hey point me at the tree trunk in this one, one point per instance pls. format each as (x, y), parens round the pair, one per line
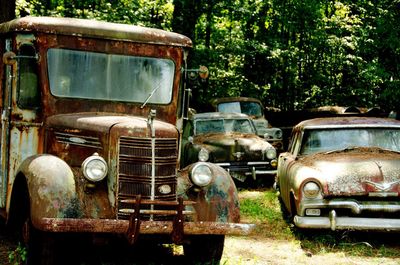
(7, 10)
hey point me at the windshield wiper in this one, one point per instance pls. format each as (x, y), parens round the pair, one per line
(151, 94)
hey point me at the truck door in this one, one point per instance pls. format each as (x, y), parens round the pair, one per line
(20, 111)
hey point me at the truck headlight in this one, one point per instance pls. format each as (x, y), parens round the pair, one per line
(201, 174)
(203, 155)
(311, 190)
(271, 153)
(94, 168)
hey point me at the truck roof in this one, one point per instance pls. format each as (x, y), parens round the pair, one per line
(95, 29)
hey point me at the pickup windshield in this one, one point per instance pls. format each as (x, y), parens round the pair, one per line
(92, 75)
(326, 140)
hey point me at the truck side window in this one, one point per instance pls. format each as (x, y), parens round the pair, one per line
(28, 94)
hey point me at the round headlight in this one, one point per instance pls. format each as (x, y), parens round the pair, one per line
(278, 134)
(201, 174)
(271, 153)
(203, 155)
(311, 190)
(94, 168)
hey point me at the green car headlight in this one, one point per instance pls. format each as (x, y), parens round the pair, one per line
(203, 155)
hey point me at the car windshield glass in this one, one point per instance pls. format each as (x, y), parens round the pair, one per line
(90, 75)
(223, 126)
(335, 139)
(249, 108)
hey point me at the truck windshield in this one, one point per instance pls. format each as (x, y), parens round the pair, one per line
(91, 75)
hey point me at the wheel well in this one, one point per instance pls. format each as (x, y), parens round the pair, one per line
(19, 204)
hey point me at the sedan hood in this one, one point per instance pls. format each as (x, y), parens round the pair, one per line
(233, 146)
(361, 171)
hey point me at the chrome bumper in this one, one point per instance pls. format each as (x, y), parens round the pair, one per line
(253, 169)
(351, 223)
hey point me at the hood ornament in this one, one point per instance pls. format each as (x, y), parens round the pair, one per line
(238, 155)
(382, 186)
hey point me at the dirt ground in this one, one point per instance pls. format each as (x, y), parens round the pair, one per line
(238, 251)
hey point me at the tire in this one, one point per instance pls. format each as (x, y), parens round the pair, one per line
(40, 245)
(204, 249)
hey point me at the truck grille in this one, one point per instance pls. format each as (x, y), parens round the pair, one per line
(134, 176)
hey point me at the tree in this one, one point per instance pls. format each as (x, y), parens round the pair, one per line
(7, 11)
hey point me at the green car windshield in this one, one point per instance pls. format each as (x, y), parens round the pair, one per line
(325, 140)
(246, 107)
(112, 77)
(223, 126)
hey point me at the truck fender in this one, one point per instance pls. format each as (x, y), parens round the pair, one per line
(51, 186)
(217, 202)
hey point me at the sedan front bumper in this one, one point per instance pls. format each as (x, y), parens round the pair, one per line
(347, 223)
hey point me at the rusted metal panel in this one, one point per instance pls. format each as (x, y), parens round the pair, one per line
(146, 227)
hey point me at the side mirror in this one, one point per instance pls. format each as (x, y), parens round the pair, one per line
(202, 72)
(9, 58)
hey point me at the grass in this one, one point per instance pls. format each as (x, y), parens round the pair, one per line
(262, 207)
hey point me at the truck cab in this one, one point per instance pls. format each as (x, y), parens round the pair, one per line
(92, 115)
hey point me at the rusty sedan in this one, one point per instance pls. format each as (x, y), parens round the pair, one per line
(342, 173)
(230, 141)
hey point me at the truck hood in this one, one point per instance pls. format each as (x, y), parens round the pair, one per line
(356, 172)
(233, 146)
(103, 122)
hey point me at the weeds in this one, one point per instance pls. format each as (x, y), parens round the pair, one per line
(18, 256)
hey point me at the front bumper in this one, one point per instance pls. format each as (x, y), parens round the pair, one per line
(241, 170)
(356, 220)
(347, 223)
(177, 226)
(146, 227)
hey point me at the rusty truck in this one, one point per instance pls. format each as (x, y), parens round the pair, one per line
(91, 125)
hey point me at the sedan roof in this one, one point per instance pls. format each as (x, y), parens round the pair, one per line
(349, 122)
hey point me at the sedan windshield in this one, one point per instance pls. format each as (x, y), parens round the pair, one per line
(91, 75)
(223, 126)
(326, 140)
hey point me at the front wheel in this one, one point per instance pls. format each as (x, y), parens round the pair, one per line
(40, 245)
(205, 249)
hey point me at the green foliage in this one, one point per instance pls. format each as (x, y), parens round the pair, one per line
(18, 256)
(290, 54)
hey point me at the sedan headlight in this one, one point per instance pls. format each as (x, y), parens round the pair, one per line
(94, 168)
(201, 174)
(311, 190)
(271, 153)
(203, 155)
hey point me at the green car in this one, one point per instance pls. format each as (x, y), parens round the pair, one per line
(230, 141)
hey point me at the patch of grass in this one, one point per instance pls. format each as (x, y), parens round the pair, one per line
(262, 207)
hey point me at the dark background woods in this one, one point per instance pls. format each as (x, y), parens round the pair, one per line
(290, 54)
